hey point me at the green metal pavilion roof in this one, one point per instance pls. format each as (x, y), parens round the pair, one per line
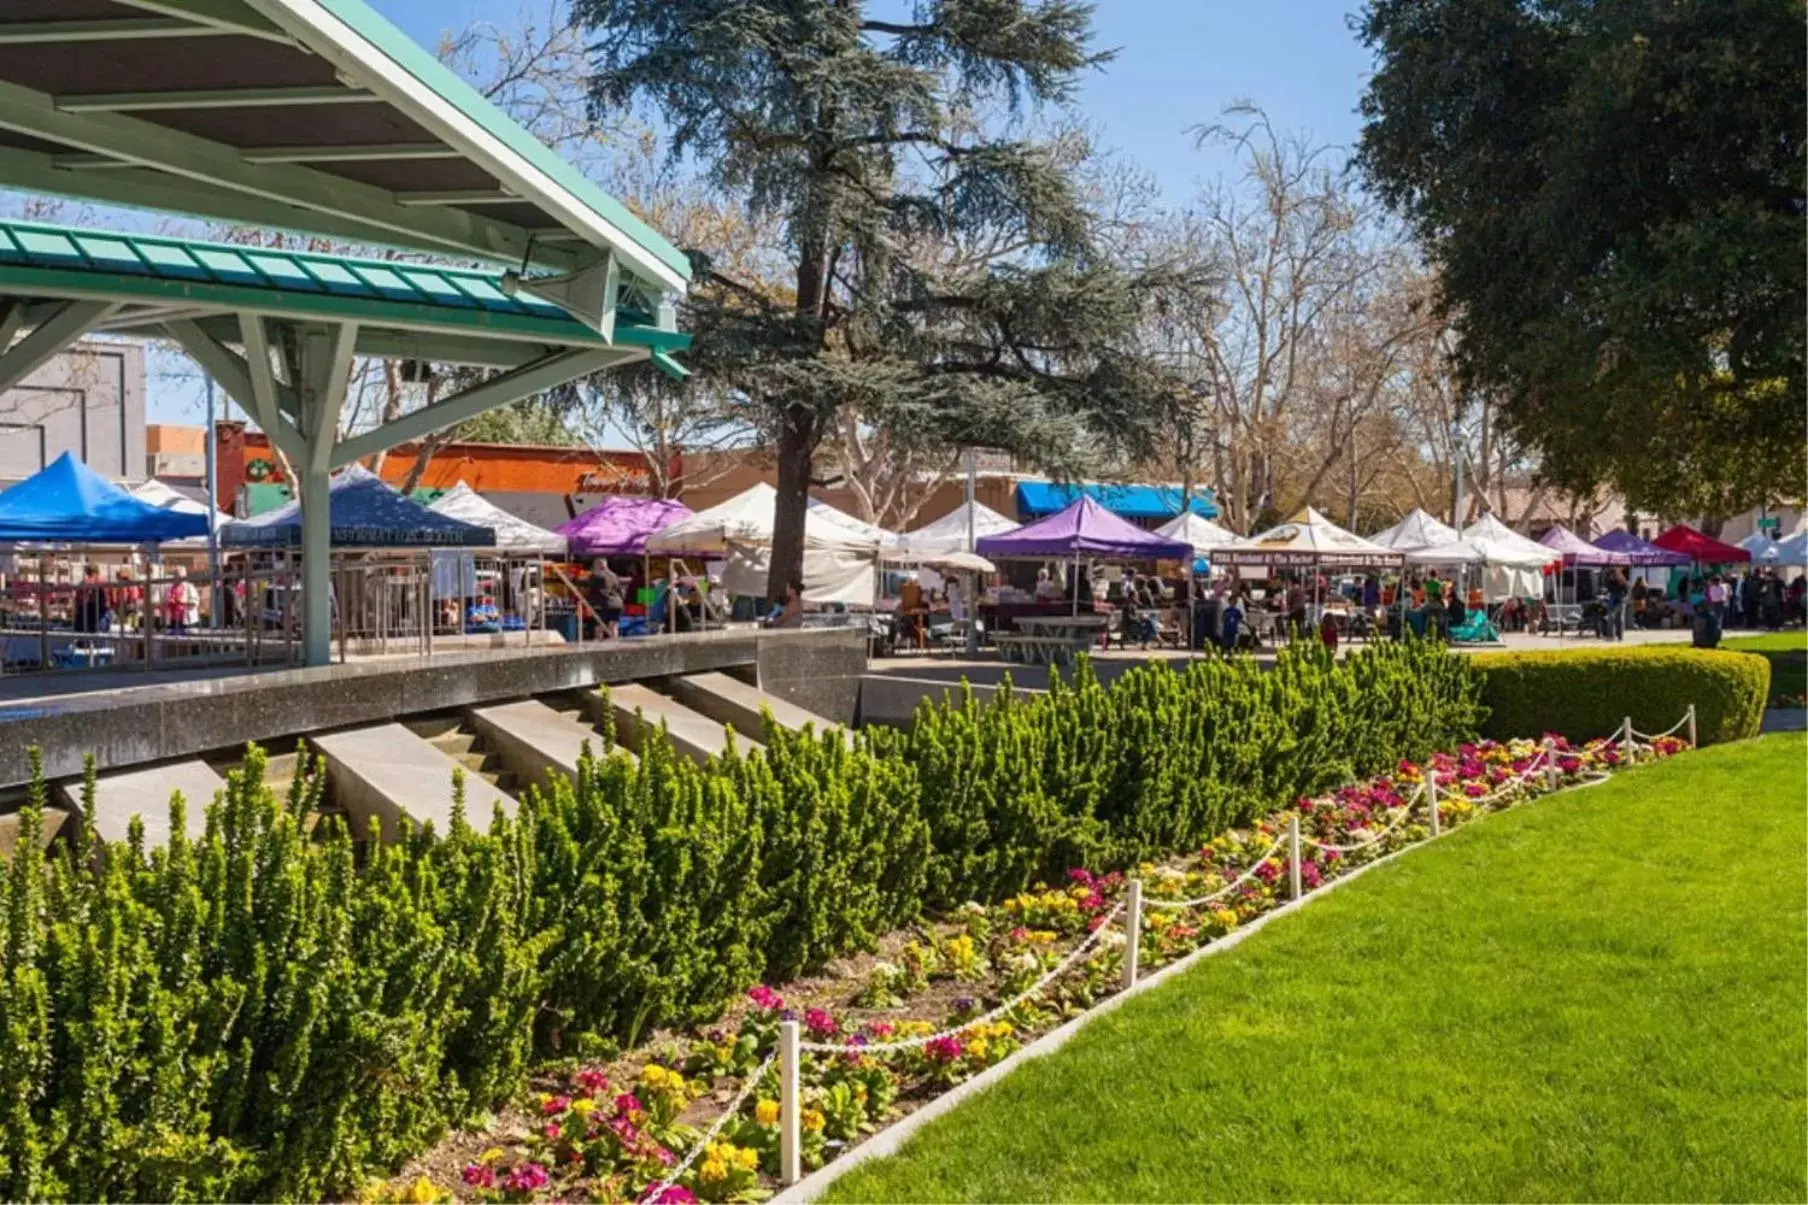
(402, 308)
(310, 115)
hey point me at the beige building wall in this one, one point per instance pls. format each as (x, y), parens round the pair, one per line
(89, 401)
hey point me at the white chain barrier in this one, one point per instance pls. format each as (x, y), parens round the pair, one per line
(1405, 810)
(1687, 721)
(1222, 891)
(657, 1193)
(1059, 969)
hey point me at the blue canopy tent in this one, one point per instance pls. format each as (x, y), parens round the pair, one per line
(1038, 498)
(366, 513)
(66, 502)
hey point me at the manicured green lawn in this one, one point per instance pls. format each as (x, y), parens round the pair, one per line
(1599, 996)
(1788, 655)
(1769, 642)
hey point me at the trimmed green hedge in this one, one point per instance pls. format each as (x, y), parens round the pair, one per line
(1585, 693)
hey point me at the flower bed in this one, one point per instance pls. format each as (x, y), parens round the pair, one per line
(622, 1132)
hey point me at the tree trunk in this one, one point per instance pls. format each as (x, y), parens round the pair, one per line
(796, 444)
(797, 436)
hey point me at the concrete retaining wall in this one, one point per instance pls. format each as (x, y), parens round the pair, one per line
(121, 728)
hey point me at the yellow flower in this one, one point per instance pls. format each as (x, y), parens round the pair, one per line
(1225, 917)
(766, 1112)
(424, 1192)
(494, 1155)
(747, 1158)
(977, 1048)
(813, 1120)
(583, 1106)
(653, 1075)
(713, 1170)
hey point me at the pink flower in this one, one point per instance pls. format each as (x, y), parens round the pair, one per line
(552, 1131)
(625, 1131)
(556, 1106)
(1268, 872)
(1475, 790)
(528, 1177)
(766, 999)
(677, 1194)
(1309, 876)
(627, 1103)
(479, 1175)
(592, 1081)
(1081, 876)
(819, 1022)
(943, 1050)
(880, 1029)
(1569, 765)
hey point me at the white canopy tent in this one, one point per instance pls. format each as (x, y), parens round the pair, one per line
(1793, 551)
(1205, 536)
(949, 533)
(1307, 541)
(166, 497)
(1514, 564)
(1763, 549)
(1417, 530)
(512, 534)
(840, 559)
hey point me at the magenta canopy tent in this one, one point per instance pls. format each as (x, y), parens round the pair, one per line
(1642, 552)
(1577, 551)
(620, 526)
(1084, 528)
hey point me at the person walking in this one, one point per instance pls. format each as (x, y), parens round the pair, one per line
(91, 611)
(181, 604)
(603, 592)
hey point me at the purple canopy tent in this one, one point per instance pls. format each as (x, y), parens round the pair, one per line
(1084, 528)
(1642, 552)
(1577, 551)
(620, 526)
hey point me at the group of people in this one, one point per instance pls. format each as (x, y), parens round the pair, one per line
(682, 604)
(100, 604)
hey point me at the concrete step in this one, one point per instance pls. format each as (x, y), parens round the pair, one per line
(728, 700)
(692, 733)
(54, 819)
(389, 772)
(536, 742)
(146, 792)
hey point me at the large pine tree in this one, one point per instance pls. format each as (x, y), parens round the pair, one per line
(941, 269)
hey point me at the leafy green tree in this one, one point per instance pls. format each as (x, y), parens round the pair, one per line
(1614, 193)
(941, 269)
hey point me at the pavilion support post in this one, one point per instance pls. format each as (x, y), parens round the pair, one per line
(316, 567)
(326, 360)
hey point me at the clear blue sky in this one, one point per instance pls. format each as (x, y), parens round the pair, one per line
(1179, 63)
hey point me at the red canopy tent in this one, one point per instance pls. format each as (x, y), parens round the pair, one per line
(1702, 549)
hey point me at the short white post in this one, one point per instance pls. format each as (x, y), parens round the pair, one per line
(1550, 763)
(790, 1150)
(1431, 798)
(1627, 748)
(1133, 932)
(1293, 855)
(1692, 742)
